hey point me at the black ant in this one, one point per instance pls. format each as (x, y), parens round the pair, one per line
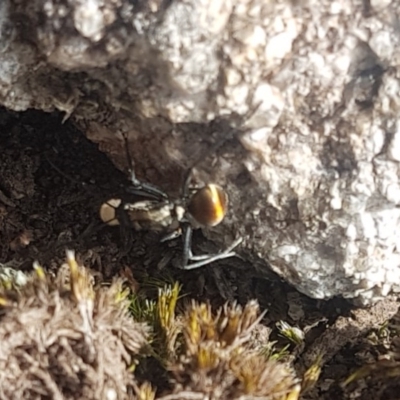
(196, 208)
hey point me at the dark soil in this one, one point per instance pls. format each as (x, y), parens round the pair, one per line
(52, 183)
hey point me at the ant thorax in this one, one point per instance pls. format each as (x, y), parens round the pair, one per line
(153, 215)
(150, 215)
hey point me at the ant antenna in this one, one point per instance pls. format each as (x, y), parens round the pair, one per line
(139, 188)
(132, 174)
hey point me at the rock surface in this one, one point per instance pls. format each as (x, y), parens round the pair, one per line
(314, 176)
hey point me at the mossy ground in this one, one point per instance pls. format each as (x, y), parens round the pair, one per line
(52, 182)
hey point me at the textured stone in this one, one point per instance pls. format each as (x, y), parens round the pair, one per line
(314, 186)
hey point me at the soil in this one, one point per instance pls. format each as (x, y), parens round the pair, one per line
(52, 183)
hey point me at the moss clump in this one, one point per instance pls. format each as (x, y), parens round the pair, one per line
(64, 338)
(67, 341)
(217, 359)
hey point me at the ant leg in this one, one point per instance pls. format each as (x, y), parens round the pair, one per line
(147, 190)
(125, 233)
(208, 259)
(187, 245)
(204, 259)
(134, 180)
(113, 213)
(141, 188)
(173, 235)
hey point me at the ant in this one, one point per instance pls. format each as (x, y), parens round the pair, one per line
(195, 208)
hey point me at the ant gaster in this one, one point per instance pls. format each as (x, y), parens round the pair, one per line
(196, 208)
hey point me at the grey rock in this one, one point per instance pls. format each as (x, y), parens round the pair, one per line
(314, 184)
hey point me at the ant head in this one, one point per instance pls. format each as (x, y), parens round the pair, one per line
(108, 212)
(208, 205)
